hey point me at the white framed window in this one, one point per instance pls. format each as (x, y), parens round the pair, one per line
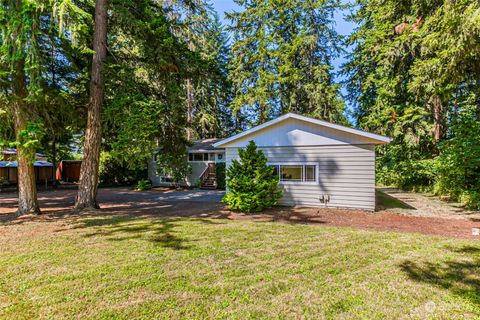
(305, 173)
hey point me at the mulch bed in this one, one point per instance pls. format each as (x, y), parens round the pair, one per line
(57, 205)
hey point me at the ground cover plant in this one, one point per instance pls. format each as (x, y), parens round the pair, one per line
(131, 267)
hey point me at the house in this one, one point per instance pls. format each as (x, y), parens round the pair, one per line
(8, 168)
(319, 164)
(202, 157)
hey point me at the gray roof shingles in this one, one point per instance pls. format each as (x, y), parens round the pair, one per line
(205, 145)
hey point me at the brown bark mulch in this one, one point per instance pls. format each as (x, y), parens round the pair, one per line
(121, 201)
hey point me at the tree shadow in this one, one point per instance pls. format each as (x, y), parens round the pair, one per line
(123, 228)
(461, 276)
(385, 201)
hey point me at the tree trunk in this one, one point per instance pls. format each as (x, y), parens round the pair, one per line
(54, 161)
(437, 118)
(88, 184)
(27, 188)
(189, 110)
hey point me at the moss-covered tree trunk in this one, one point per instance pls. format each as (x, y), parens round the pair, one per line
(27, 189)
(89, 173)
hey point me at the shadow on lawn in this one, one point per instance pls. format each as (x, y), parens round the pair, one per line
(121, 228)
(460, 276)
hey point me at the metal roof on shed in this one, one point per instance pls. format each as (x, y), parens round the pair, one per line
(14, 164)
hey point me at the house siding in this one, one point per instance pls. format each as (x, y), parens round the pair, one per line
(345, 172)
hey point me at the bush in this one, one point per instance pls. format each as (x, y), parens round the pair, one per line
(459, 162)
(113, 172)
(173, 165)
(405, 167)
(143, 185)
(408, 174)
(252, 185)
(220, 173)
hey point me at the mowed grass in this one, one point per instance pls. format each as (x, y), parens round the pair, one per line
(143, 267)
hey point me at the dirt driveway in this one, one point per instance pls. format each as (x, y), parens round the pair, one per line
(206, 204)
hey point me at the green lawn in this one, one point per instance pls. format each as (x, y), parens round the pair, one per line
(124, 267)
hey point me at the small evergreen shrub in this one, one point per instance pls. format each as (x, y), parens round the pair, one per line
(220, 173)
(252, 185)
(143, 185)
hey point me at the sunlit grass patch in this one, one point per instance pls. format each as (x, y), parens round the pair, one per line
(133, 267)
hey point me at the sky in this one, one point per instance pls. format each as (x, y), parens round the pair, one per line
(343, 27)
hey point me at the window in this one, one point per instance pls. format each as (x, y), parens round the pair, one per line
(200, 157)
(291, 173)
(295, 172)
(310, 173)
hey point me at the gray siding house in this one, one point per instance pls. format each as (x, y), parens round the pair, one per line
(202, 157)
(319, 164)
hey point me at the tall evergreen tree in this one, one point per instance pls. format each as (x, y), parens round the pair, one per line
(89, 173)
(207, 89)
(28, 31)
(409, 63)
(283, 53)
(414, 68)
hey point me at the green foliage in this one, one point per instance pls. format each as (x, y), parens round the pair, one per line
(459, 162)
(174, 165)
(115, 173)
(406, 174)
(282, 59)
(156, 50)
(143, 185)
(220, 173)
(29, 140)
(252, 185)
(413, 72)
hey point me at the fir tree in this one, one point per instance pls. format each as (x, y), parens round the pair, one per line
(30, 32)
(283, 53)
(252, 185)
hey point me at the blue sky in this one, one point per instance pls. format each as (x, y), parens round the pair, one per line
(343, 27)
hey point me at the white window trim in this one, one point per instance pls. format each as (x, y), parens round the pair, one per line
(297, 164)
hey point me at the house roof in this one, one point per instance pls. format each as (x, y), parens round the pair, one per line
(204, 145)
(378, 139)
(14, 164)
(11, 151)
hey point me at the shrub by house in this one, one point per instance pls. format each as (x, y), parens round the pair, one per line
(252, 185)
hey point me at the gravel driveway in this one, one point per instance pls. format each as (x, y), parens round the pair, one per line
(422, 205)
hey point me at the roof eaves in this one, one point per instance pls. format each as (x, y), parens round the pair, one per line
(373, 136)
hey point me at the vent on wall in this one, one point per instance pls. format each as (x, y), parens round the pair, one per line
(325, 198)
